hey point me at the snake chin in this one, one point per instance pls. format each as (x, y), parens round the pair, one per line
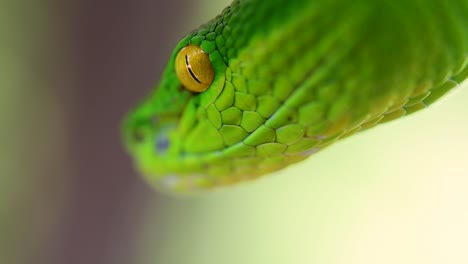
(181, 184)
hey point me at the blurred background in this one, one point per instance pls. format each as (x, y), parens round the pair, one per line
(69, 70)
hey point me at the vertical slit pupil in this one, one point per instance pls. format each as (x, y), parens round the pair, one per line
(190, 70)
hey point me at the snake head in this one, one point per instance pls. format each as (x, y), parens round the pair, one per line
(174, 135)
(223, 114)
(184, 138)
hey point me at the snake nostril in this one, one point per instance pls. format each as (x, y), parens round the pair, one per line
(137, 135)
(155, 119)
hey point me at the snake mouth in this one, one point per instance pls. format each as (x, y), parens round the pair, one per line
(173, 183)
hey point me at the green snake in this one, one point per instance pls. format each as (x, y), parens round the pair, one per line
(266, 84)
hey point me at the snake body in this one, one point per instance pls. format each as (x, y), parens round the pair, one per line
(292, 77)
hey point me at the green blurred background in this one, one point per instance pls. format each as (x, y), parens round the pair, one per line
(68, 73)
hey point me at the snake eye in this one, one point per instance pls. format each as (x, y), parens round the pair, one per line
(194, 69)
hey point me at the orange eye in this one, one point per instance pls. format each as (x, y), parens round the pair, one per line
(194, 69)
